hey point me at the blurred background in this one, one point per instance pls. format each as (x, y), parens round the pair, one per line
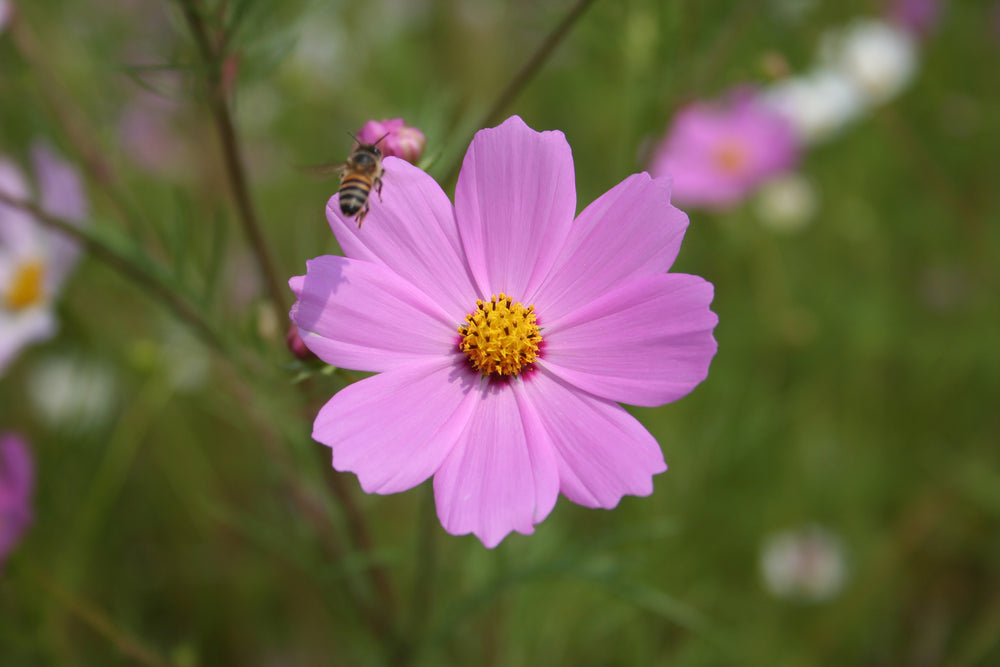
(834, 486)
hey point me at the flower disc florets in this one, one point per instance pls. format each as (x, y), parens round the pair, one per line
(501, 336)
(26, 288)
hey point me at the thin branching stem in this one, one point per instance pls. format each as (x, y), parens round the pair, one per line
(232, 153)
(77, 130)
(526, 73)
(134, 271)
(100, 623)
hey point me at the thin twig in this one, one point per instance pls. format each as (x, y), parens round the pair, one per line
(134, 271)
(99, 622)
(358, 527)
(526, 73)
(74, 126)
(232, 154)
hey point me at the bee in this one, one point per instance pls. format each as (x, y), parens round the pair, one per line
(362, 172)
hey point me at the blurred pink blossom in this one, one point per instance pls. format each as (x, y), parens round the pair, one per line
(34, 259)
(17, 482)
(720, 152)
(445, 302)
(400, 140)
(6, 12)
(920, 17)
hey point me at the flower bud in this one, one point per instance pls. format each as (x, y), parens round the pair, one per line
(400, 140)
(296, 345)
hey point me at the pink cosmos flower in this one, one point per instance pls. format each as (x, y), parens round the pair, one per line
(402, 141)
(34, 260)
(718, 153)
(505, 330)
(17, 481)
(921, 17)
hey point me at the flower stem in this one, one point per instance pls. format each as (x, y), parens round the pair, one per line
(99, 622)
(74, 126)
(134, 271)
(212, 56)
(525, 74)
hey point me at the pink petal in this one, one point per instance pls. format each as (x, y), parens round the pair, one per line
(648, 342)
(604, 453)
(394, 429)
(632, 230)
(61, 194)
(515, 201)
(18, 233)
(411, 229)
(17, 471)
(363, 316)
(502, 476)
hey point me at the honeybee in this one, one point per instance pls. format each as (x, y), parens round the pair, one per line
(362, 172)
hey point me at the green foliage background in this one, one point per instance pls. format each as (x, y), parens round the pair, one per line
(856, 384)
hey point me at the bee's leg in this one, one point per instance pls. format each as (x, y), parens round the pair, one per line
(362, 214)
(378, 188)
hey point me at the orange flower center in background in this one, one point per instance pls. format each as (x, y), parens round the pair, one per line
(731, 156)
(500, 336)
(26, 287)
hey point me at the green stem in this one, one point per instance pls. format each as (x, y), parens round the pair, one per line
(232, 154)
(137, 273)
(526, 74)
(99, 622)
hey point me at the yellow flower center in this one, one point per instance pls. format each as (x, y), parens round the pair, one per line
(500, 336)
(26, 287)
(731, 156)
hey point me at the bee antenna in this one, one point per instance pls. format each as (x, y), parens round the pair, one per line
(381, 138)
(351, 135)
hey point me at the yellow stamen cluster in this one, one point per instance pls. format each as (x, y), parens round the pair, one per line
(501, 336)
(26, 287)
(731, 156)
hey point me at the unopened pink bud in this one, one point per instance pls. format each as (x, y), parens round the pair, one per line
(297, 346)
(399, 140)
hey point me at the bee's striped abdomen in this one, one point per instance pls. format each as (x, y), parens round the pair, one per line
(353, 192)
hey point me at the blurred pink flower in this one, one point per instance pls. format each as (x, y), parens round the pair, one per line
(6, 12)
(17, 482)
(34, 260)
(504, 332)
(718, 153)
(920, 17)
(402, 141)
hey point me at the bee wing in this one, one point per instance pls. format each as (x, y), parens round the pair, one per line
(321, 170)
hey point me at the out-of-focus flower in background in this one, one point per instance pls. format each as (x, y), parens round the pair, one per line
(920, 17)
(445, 301)
(860, 66)
(719, 152)
(817, 104)
(400, 140)
(786, 203)
(73, 393)
(34, 259)
(17, 483)
(878, 57)
(807, 564)
(6, 13)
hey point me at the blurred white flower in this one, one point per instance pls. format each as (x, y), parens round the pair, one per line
(880, 58)
(73, 393)
(806, 564)
(786, 203)
(817, 104)
(34, 259)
